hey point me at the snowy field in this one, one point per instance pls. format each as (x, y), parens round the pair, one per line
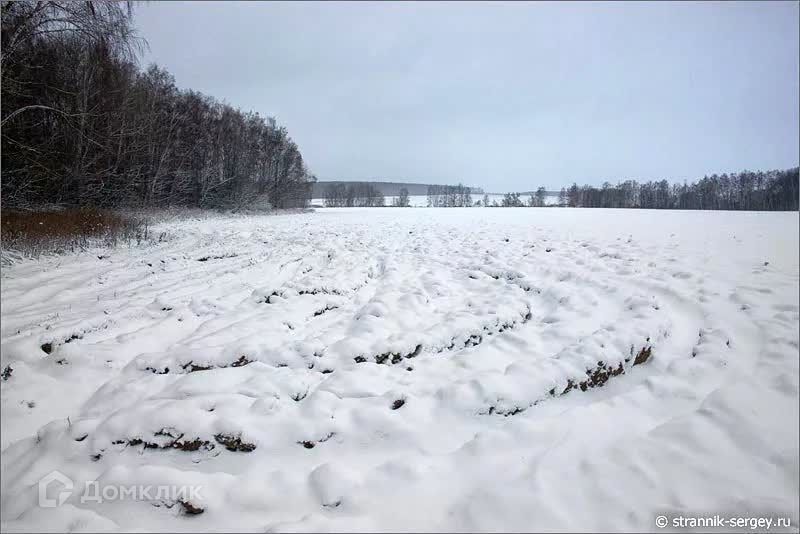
(422, 369)
(421, 201)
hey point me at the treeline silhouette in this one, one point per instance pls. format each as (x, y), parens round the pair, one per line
(449, 196)
(359, 194)
(769, 191)
(83, 126)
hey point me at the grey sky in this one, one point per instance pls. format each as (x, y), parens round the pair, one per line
(501, 95)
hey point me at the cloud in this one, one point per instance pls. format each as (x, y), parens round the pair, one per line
(500, 95)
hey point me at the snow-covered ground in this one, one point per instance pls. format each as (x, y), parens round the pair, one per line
(421, 369)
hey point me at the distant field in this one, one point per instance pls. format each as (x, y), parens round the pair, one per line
(422, 200)
(487, 369)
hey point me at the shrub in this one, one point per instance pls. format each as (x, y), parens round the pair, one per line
(31, 234)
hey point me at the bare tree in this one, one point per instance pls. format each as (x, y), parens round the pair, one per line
(402, 201)
(541, 194)
(81, 125)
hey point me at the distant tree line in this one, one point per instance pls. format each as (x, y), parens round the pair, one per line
(775, 190)
(511, 200)
(360, 194)
(514, 200)
(365, 194)
(449, 196)
(402, 200)
(83, 126)
(389, 189)
(747, 190)
(771, 190)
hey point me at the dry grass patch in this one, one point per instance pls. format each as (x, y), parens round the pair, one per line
(32, 233)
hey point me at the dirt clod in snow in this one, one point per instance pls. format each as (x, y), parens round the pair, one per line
(192, 367)
(395, 357)
(309, 444)
(192, 445)
(177, 442)
(234, 443)
(191, 509)
(505, 413)
(600, 375)
(324, 310)
(643, 355)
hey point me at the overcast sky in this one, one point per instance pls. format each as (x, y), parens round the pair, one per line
(500, 95)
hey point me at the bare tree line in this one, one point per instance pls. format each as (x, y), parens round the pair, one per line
(363, 195)
(775, 190)
(82, 125)
(762, 191)
(513, 200)
(747, 190)
(449, 196)
(402, 200)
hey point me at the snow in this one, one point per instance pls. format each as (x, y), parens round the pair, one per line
(229, 357)
(421, 201)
